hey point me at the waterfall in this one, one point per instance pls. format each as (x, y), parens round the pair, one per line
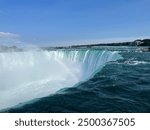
(29, 75)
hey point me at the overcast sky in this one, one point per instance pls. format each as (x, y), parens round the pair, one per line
(63, 22)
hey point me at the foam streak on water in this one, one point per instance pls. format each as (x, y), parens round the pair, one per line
(29, 75)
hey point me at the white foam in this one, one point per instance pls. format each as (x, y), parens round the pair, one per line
(136, 62)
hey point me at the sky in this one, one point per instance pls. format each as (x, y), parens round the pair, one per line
(65, 22)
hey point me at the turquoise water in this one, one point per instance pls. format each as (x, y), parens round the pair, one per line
(103, 79)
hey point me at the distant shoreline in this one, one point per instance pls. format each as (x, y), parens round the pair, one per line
(137, 43)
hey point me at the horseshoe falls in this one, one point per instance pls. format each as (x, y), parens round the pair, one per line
(25, 76)
(99, 79)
